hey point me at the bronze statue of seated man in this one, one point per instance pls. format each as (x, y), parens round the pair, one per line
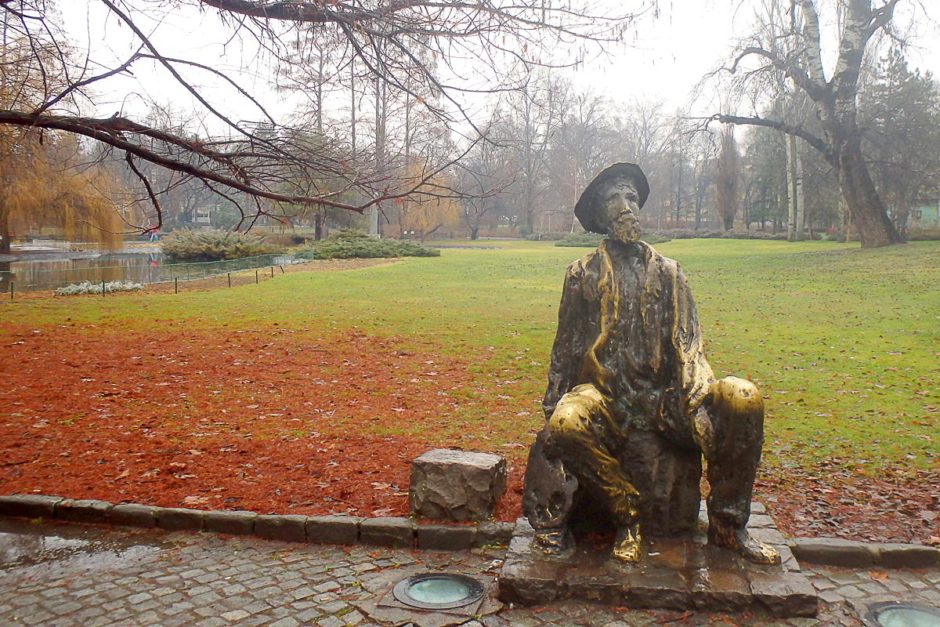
(628, 369)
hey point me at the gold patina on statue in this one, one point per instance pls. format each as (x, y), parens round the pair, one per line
(632, 404)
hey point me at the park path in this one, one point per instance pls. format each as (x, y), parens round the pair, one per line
(52, 574)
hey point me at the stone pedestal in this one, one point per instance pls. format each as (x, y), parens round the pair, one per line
(674, 573)
(456, 485)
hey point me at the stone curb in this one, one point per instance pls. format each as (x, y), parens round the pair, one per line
(382, 531)
(400, 532)
(852, 554)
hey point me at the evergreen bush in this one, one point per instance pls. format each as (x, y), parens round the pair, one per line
(353, 245)
(214, 245)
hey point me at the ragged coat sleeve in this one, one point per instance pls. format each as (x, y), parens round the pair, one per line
(694, 371)
(571, 339)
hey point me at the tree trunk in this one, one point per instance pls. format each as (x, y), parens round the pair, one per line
(318, 225)
(474, 232)
(864, 205)
(4, 233)
(728, 222)
(800, 194)
(792, 196)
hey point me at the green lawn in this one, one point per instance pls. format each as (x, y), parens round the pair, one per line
(844, 342)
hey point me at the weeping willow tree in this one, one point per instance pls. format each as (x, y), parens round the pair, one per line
(43, 182)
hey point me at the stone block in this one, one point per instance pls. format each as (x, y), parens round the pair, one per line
(787, 559)
(660, 589)
(786, 595)
(520, 582)
(133, 515)
(908, 556)
(235, 523)
(333, 529)
(720, 586)
(679, 573)
(834, 552)
(388, 532)
(83, 511)
(767, 535)
(760, 521)
(28, 505)
(493, 532)
(288, 528)
(179, 519)
(445, 537)
(456, 485)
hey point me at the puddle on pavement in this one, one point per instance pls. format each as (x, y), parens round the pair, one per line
(46, 546)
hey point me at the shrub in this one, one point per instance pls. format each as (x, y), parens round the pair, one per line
(924, 234)
(214, 245)
(591, 240)
(352, 245)
(692, 234)
(545, 237)
(87, 287)
(284, 240)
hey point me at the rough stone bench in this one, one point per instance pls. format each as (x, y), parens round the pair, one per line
(456, 485)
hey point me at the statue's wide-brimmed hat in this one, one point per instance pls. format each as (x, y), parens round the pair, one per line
(589, 204)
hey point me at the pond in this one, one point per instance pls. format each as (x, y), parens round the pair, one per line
(47, 272)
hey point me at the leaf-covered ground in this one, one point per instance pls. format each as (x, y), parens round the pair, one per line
(311, 393)
(270, 420)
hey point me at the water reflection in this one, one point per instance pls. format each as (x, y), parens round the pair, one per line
(24, 545)
(51, 273)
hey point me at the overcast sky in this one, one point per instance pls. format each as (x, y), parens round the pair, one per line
(663, 59)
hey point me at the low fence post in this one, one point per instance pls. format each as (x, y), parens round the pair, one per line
(257, 279)
(176, 285)
(11, 290)
(272, 272)
(102, 287)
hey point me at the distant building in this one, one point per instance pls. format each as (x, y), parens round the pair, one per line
(925, 215)
(202, 216)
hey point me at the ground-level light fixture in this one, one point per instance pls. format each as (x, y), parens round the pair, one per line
(894, 614)
(438, 591)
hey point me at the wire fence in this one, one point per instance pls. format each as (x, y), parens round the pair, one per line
(28, 276)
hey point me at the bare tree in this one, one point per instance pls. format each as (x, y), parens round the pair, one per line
(796, 51)
(536, 110)
(264, 160)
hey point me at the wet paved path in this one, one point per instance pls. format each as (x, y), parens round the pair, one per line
(75, 575)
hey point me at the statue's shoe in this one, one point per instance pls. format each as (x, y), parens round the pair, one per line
(742, 543)
(627, 545)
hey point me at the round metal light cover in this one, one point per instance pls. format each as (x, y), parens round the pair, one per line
(438, 591)
(894, 614)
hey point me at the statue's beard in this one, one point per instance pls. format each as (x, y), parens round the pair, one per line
(626, 228)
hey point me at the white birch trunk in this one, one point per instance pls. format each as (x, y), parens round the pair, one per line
(791, 188)
(800, 196)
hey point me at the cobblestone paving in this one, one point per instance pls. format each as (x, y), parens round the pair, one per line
(73, 575)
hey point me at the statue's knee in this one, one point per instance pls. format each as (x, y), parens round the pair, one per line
(738, 396)
(566, 422)
(572, 417)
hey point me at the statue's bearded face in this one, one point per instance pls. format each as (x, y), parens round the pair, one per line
(621, 208)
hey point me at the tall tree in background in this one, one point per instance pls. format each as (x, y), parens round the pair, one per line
(900, 112)
(536, 111)
(728, 181)
(798, 54)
